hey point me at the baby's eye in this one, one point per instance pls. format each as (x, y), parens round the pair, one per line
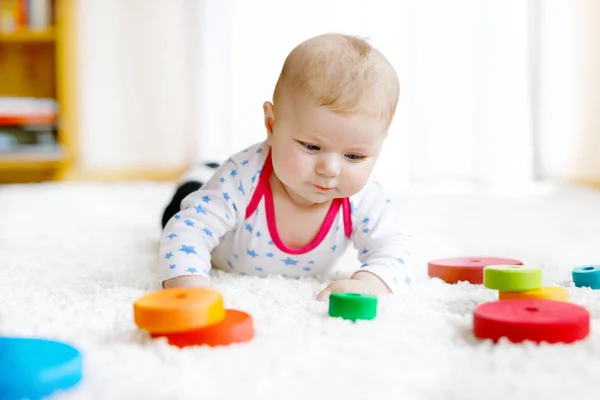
(311, 147)
(354, 157)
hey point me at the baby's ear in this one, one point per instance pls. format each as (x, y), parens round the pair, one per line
(269, 112)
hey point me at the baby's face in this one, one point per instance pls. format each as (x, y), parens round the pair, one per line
(320, 155)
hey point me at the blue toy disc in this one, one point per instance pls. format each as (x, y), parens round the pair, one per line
(35, 368)
(587, 276)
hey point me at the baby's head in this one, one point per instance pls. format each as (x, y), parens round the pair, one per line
(332, 106)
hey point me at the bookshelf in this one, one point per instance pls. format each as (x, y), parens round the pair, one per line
(37, 54)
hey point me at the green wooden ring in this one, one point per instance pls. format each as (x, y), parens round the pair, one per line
(352, 306)
(512, 278)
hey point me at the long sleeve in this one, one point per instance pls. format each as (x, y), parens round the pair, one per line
(377, 235)
(205, 217)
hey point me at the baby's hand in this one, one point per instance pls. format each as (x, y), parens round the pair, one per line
(186, 281)
(361, 282)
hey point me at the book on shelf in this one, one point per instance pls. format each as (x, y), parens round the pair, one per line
(28, 125)
(34, 15)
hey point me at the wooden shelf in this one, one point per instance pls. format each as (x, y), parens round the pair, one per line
(28, 36)
(32, 161)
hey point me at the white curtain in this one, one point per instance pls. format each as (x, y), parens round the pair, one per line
(470, 70)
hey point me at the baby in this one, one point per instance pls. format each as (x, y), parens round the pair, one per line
(291, 205)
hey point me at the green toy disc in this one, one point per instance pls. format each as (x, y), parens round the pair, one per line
(512, 278)
(352, 306)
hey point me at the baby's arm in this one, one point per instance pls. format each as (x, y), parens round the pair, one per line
(382, 247)
(205, 217)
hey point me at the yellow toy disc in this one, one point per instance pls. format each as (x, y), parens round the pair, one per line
(544, 293)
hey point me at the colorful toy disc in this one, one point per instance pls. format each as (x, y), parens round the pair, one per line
(469, 269)
(352, 306)
(36, 368)
(178, 309)
(535, 320)
(237, 327)
(587, 276)
(544, 293)
(512, 278)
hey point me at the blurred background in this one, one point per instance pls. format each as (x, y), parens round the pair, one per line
(494, 93)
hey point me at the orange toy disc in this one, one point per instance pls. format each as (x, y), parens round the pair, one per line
(544, 293)
(468, 269)
(178, 309)
(237, 327)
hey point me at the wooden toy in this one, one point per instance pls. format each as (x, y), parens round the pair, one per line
(36, 368)
(512, 278)
(469, 269)
(543, 293)
(237, 327)
(352, 306)
(178, 309)
(587, 276)
(534, 320)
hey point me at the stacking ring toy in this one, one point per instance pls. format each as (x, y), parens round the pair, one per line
(534, 320)
(352, 306)
(587, 276)
(469, 269)
(178, 309)
(237, 327)
(36, 368)
(543, 293)
(512, 278)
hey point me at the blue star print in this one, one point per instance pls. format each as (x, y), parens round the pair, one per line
(334, 247)
(407, 280)
(241, 189)
(258, 234)
(249, 227)
(177, 216)
(189, 222)
(352, 208)
(290, 261)
(401, 261)
(258, 268)
(206, 199)
(207, 231)
(366, 220)
(171, 236)
(222, 180)
(259, 150)
(234, 173)
(245, 162)
(306, 268)
(168, 255)
(192, 270)
(365, 251)
(364, 265)
(366, 230)
(270, 255)
(311, 262)
(199, 210)
(188, 249)
(226, 196)
(253, 178)
(172, 266)
(252, 253)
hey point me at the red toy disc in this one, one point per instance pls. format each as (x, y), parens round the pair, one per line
(535, 320)
(470, 269)
(237, 327)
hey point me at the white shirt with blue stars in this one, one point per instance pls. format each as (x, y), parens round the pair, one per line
(229, 223)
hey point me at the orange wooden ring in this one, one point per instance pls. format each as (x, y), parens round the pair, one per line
(544, 293)
(237, 327)
(178, 309)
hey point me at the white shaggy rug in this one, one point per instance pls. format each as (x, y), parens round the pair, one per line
(74, 257)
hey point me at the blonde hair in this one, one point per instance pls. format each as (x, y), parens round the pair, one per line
(341, 72)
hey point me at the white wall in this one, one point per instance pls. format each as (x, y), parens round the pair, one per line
(136, 83)
(584, 157)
